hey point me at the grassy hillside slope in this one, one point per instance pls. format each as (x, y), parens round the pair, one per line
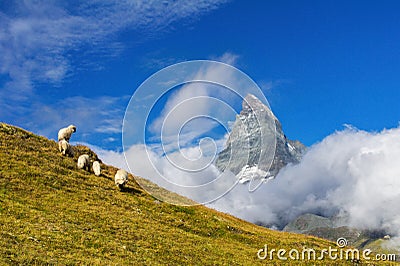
(53, 213)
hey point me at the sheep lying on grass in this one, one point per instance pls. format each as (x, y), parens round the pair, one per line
(65, 148)
(66, 132)
(96, 168)
(84, 162)
(121, 178)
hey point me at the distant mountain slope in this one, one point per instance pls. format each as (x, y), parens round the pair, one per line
(334, 228)
(257, 143)
(53, 213)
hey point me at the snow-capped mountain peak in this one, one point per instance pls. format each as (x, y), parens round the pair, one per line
(257, 148)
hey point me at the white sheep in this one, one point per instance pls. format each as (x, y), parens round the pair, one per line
(65, 148)
(66, 132)
(121, 178)
(84, 162)
(96, 168)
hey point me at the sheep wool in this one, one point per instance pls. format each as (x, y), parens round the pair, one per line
(96, 168)
(65, 148)
(66, 132)
(84, 162)
(121, 178)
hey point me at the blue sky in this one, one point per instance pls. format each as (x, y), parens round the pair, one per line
(321, 64)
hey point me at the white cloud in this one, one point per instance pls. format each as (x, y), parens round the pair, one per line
(197, 107)
(183, 105)
(351, 172)
(227, 58)
(102, 114)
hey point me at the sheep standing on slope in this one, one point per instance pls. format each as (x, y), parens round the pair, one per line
(66, 132)
(84, 162)
(121, 178)
(96, 168)
(65, 148)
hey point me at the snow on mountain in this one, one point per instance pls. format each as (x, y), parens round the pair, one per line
(249, 172)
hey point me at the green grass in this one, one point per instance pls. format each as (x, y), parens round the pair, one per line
(52, 213)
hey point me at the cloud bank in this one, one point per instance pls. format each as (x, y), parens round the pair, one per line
(351, 172)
